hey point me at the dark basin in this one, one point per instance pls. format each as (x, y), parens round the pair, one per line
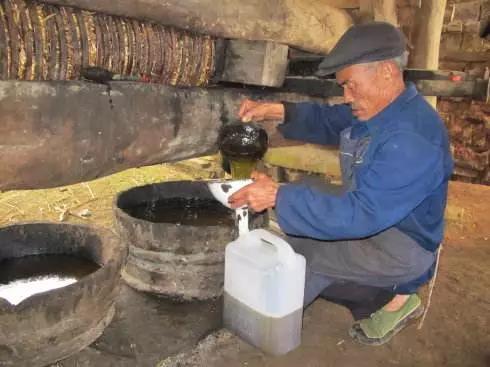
(55, 324)
(170, 254)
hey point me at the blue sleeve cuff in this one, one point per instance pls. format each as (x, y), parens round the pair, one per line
(289, 113)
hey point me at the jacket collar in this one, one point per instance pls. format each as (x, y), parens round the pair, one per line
(373, 124)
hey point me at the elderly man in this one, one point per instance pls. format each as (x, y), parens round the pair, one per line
(384, 228)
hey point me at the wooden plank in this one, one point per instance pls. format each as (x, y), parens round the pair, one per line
(477, 89)
(443, 88)
(255, 63)
(306, 157)
(313, 86)
(463, 56)
(312, 25)
(425, 74)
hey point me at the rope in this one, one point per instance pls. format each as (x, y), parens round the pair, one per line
(431, 288)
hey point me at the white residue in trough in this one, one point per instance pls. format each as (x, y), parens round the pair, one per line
(19, 290)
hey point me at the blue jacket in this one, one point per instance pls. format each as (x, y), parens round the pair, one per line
(395, 170)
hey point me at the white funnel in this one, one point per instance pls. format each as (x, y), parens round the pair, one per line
(222, 190)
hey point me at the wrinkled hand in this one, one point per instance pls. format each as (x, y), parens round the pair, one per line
(260, 111)
(259, 195)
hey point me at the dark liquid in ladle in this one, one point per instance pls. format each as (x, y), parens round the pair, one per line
(242, 145)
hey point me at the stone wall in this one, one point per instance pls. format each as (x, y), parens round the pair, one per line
(463, 49)
(468, 123)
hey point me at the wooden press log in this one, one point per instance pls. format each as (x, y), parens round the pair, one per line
(58, 133)
(312, 25)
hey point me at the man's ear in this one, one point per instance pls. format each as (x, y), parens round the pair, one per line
(386, 70)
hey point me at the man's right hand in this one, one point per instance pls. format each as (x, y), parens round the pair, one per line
(260, 111)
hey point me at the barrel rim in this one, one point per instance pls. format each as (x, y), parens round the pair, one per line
(120, 213)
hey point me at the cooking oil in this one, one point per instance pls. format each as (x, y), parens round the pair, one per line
(242, 168)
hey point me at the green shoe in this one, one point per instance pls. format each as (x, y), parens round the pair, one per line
(383, 325)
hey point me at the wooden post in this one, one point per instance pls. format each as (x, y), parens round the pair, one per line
(255, 63)
(429, 20)
(312, 25)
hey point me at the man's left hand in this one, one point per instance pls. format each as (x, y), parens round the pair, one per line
(259, 195)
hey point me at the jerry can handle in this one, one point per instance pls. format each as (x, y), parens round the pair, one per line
(284, 249)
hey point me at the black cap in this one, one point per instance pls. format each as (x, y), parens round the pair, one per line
(363, 43)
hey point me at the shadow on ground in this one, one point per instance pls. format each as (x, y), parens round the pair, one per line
(147, 329)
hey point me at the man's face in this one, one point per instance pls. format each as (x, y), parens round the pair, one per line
(363, 89)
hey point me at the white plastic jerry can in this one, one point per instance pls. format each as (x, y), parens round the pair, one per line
(264, 291)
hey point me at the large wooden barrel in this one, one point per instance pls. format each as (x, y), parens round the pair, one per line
(179, 260)
(53, 325)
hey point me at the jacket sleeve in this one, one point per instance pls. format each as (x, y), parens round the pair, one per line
(403, 172)
(315, 123)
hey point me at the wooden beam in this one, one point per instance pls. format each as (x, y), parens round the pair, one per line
(477, 89)
(255, 63)
(429, 19)
(312, 25)
(465, 56)
(306, 157)
(57, 133)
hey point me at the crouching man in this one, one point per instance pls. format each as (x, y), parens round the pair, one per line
(384, 228)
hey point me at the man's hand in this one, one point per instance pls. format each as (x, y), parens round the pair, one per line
(260, 111)
(259, 195)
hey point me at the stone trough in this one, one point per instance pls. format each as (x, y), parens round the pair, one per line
(172, 253)
(55, 324)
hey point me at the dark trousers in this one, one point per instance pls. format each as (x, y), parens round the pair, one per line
(361, 274)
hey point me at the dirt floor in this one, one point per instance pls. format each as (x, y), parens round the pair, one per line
(455, 332)
(147, 330)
